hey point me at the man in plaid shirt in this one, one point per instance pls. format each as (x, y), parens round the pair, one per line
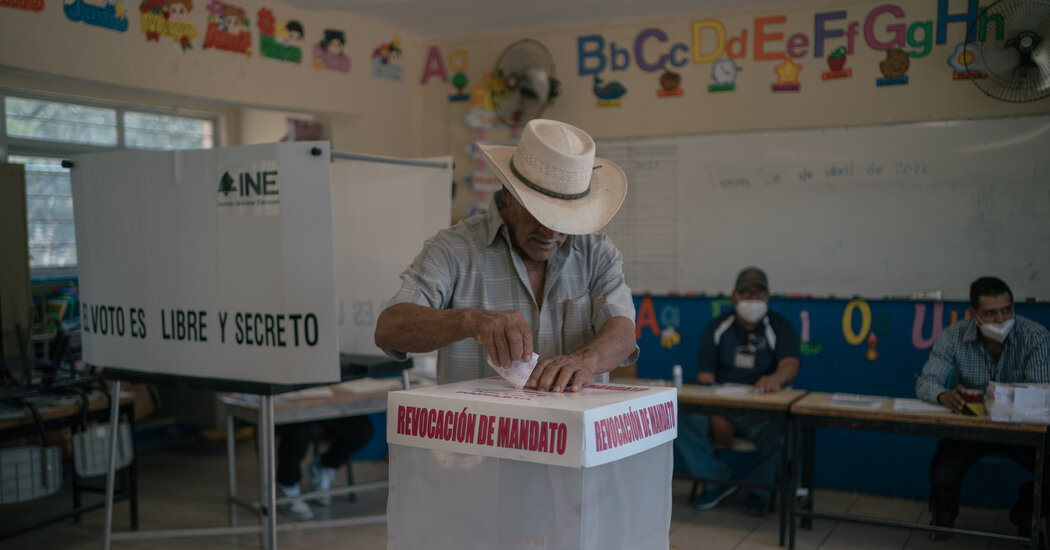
(993, 344)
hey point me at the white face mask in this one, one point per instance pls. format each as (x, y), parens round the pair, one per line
(997, 331)
(751, 311)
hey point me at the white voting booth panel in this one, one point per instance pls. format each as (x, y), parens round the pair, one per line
(211, 263)
(479, 465)
(236, 263)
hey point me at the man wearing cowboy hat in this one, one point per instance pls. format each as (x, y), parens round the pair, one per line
(533, 274)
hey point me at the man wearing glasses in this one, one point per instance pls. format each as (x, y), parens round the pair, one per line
(748, 345)
(991, 345)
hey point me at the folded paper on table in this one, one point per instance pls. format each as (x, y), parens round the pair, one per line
(916, 405)
(855, 400)
(733, 389)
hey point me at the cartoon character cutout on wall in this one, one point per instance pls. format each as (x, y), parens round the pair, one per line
(787, 76)
(168, 18)
(669, 337)
(837, 65)
(279, 40)
(483, 99)
(723, 72)
(460, 81)
(228, 28)
(608, 92)
(329, 53)
(670, 82)
(872, 354)
(966, 62)
(383, 61)
(894, 67)
(109, 14)
(27, 5)
(808, 346)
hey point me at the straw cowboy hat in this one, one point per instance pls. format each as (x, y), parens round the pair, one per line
(554, 174)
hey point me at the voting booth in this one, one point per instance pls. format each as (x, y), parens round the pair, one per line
(253, 268)
(481, 465)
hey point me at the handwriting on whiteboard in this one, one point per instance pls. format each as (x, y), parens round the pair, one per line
(847, 170)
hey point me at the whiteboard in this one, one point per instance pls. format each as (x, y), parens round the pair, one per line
(870, 210)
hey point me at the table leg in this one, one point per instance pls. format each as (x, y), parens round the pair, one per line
(114, 419)
(231, 468)
(809, 444)
(786, 498)
(792, 520)
(133, 471)
(1037, 496)
(271, 482)
(260, 454)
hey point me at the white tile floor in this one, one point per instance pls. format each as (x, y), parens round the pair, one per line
(187, 487)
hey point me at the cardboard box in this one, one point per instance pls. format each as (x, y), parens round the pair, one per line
(481, 465)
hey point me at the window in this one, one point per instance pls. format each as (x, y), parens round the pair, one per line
(41, 131)
(61, 122)
(49, 209)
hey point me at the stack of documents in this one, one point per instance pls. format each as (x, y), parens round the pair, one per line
(1018, 402)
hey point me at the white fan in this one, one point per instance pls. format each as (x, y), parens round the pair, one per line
(524, 82)
(1010, 39)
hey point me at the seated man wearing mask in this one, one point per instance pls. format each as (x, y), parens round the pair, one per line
(749, 345)
(993, 344)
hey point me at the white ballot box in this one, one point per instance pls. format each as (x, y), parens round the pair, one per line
(480, 465)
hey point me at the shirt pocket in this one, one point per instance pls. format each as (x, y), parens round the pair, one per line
(576, 327)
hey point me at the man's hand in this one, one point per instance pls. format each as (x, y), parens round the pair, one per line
(721, 431)
(953, 399)
(767, 384)
(563, 372)
(706, 378)
(505, 334)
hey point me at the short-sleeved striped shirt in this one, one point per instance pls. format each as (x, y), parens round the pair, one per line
(472, 265)
(960, 351)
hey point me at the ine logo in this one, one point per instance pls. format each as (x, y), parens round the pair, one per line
(249, 183)
(249, 190)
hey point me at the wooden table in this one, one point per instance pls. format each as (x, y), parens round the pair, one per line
(816, 410)
(723, 400)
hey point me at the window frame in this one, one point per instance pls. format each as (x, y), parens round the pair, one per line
(28, 147)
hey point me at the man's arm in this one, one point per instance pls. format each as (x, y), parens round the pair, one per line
(1036, 368)
(613, 344)
(413, 328)
(788, 350)
(707, 358)
(930, 385)
(787, 371)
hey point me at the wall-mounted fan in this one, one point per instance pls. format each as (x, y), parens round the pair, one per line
(524, 82)
(1011, 49)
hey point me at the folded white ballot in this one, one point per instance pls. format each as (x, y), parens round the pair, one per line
(518, 372)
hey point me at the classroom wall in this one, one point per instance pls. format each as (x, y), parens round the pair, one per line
(923, 27)
(49, 51)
